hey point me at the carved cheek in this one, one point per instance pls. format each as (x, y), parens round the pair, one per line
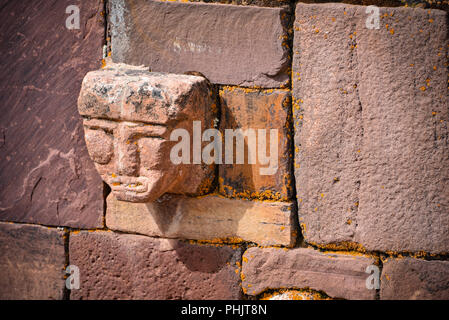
(154, 154)
(100, 145)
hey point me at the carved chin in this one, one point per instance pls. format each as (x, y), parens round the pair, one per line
(134, 189)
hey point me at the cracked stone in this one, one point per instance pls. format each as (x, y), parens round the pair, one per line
(158, 34)
(46, 175)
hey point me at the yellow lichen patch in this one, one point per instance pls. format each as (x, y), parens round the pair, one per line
(294, 294)
(343, 246)
(220, 241)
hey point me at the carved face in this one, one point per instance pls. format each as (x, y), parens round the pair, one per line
(129, 114)
(132, 158)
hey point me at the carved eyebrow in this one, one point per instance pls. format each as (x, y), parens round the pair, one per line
(100, 124)
(148, 130)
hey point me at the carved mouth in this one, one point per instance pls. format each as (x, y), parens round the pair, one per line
(129, 184)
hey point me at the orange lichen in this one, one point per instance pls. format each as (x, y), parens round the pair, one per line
(294, 294)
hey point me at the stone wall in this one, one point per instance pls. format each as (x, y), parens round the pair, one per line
(362, 182)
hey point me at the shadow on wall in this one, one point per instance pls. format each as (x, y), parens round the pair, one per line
(216, 218)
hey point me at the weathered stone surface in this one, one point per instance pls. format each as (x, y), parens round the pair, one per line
(261, 3)
(46, 175)
(32, 262)
(371, 130)
(247, 41)
(254, 110)
(206, 218)
(410, 279)
(338, 275)
(131, 119)
(114, 266)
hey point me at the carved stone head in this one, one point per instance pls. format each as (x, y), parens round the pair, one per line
(129, 114)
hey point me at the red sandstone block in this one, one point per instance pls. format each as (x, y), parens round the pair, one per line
(404, 279)
(46, 175)
(32, 261)
(371, 129)
(229, 44)
(338, 275)
(121, 266)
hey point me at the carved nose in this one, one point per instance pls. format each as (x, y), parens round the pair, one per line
(128, 156)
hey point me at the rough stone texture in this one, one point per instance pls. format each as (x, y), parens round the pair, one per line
(32, 261)
(337, 275)
(255, 109)
(206, 218)
(114, 266)
(130, 117)
(261, 3)
(178, 37)
(410, 279)
(371, 134)
(46, 175)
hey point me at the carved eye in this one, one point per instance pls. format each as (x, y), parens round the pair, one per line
(100, 145)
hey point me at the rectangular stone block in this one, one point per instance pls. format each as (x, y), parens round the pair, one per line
(32, 262)
(337, 275)
(210, 218)
(371, 127)
(46, 175)
(269, 110)
(413, 279)
(120, 266)
(178, 37)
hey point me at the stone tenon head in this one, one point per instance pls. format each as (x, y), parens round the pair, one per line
(128, 114)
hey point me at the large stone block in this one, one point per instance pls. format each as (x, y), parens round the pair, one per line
(371, 129)
(178, 37)
(337, 275)
(210, 218)
(254, 110)
(119, 266)
(410, 279)
(32, 261)
(46, 175)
